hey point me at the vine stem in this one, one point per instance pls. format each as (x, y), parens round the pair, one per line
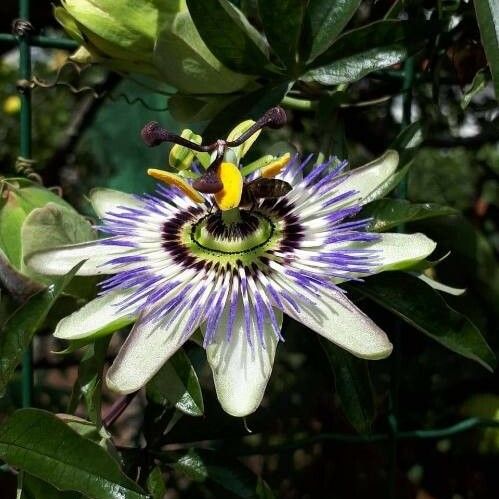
(117, 409)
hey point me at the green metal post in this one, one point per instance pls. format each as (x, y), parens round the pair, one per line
(25, 152)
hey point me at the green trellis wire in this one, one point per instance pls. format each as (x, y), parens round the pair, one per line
(24, 39)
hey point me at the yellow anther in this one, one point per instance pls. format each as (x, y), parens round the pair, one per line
(230, 196)
(179, 182)
(276, 166)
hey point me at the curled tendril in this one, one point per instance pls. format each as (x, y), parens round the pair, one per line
(24, 166)
(21, 27)
(78, 90)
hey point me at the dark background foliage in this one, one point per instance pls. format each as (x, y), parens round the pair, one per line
(329, 426)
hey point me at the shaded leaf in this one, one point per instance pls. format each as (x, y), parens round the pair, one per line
(177, 383)
(156, 483)
(487, 13)
(18, 331)
(231, 475)
(39, 443)
(229, 35)
(263, 491)
(324, 21)
(34, 488)
(282, 22)
(477, 85)
(353, 386)
(409, 138)
(90, 377)
(388, 213)
(423, 308)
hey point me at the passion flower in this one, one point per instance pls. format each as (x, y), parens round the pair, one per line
(230, 263)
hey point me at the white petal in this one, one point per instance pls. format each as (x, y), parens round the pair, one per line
(340, 321)
(367, 178)
(60, 260)
(101, 315)
(107, 200)
(148, 346)
(400, 250)
(241, 372)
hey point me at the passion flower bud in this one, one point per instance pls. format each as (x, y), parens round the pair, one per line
(19, 197)
(157, 39)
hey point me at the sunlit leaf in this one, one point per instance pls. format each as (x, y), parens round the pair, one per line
(487, 13)
(39, 443)
(177, 383)
(18, 331)
(388, 213)
(361, 51)
(90, 377)
(156, 483)
(185, 61)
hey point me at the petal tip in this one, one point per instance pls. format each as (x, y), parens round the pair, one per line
(114, 384)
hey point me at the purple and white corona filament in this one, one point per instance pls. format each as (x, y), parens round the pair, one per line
(176, 265)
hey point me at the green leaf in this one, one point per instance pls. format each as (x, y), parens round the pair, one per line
(324, 21)
(263, 491)
(409, 138)
(34, 488)
(477, 85)
(353, 386)
(177, 383)
(229, 35)
(18, 198)
(201, 465)
(39, 443)
(423, 308)
(55, 225)
(18, 331)
(184, 60)
(487, 13)
(407, 143)
(361, 51)
(388, 213)
(156, 484)
(282, 22)
(52, 226)
(90, 377)
(472, 261)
